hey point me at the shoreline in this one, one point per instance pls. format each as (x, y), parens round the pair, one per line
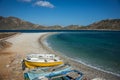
(87, 70)
(25, 43)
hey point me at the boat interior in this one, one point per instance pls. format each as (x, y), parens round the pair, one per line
(42, 58)
(69, 76)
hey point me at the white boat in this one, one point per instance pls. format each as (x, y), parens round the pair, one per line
(42, 60)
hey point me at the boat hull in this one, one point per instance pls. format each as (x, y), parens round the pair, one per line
(39, 72)
(41, 64)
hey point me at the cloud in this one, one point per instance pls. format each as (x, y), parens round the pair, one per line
(40, 3)
(44, 4)
(25, 0)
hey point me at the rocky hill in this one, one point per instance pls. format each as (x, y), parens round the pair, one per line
(13, 23)
(109, 24)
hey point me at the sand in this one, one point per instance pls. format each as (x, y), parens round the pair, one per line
(11, 58)
(25, 43)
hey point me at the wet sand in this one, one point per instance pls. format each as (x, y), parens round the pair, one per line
(25, 43)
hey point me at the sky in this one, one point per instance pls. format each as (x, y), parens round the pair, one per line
(61, 12)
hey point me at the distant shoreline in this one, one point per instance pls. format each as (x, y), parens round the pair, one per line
(34, 31)
(89, 72)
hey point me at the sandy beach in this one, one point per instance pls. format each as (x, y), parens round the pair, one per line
(26, 43)
(11, 58)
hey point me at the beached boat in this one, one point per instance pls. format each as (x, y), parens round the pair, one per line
(42, 60)
(39, 72)
(63, 75)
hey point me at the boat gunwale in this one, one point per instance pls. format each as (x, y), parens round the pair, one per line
(43, 62)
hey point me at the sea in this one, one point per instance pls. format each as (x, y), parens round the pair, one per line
(97, 49)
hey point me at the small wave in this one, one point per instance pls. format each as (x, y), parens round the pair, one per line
(46, 43)
(94, 67)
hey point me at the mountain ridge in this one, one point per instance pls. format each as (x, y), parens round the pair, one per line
(112, 24)
(14, 23)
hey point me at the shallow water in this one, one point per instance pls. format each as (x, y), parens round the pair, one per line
(97, 49)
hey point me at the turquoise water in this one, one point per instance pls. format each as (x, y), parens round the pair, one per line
(97, 49)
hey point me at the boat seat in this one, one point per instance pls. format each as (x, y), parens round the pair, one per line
(37, 60)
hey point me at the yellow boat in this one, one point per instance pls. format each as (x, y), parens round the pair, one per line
(42, 60)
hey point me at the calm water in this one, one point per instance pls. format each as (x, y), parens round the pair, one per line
(97, 49)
